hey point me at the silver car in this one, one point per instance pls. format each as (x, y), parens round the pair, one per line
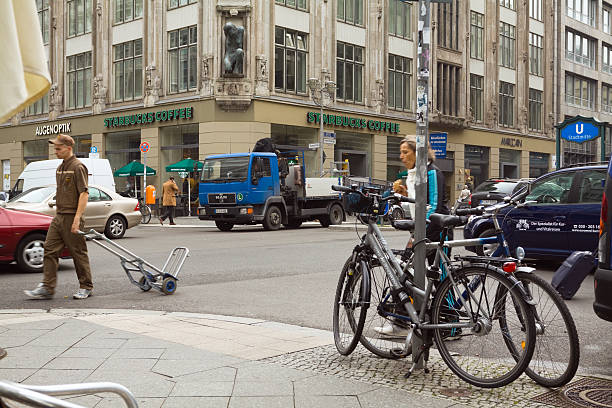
(106, 211)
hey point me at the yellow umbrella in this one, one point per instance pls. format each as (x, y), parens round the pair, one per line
(24, 74)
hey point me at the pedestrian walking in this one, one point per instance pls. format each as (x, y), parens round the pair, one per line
(465, 193)
(71, 199)
(169, 192)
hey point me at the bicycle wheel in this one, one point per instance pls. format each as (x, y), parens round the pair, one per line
(477, 353)
(557, 351)
(145, 210)
(382, 334)
(350, 306)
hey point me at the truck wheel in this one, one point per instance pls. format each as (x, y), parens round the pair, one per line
(335, 215)
(272, 219)
(224, 226)
(293, 223)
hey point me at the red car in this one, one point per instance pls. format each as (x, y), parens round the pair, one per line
(22, 235)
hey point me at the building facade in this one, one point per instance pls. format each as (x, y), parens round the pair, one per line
(194, 78)
(584, 73)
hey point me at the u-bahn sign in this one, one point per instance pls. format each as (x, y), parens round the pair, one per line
(579, 129)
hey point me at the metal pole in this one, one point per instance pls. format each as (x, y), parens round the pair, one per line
(144, 187)
(189, 194)
(422, 130)
(321, 132)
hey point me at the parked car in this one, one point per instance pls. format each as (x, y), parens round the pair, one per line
(493, 191)
(22, 235)
(106, 211)
(561, 215)
(603, 274)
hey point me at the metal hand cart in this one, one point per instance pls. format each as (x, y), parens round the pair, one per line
(41, 396)
(163, 279)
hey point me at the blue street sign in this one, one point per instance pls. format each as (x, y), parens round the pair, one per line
(93, 149)
(580, 132)
(437, 141)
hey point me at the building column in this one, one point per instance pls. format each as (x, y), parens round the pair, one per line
(16, 157)
(493, 163)
(97, 139)
(458, 180)
(379, 157)
(151, 136)
(524, 163)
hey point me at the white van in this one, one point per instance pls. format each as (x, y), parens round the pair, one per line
(42, 173)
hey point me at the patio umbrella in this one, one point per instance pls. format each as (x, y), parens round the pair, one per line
(186, 166)
(134, 169)
(24, 75)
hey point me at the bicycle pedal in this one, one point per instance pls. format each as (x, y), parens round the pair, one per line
(399, 353)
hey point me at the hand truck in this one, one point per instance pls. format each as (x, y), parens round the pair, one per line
(163, 279)
(41, 396)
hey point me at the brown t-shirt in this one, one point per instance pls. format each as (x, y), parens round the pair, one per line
(71, 178)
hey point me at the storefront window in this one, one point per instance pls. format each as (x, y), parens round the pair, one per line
(178, 143)
(82, 145)
(121, 149)
(538, 164)
(295, 138)
(476, 165)
(34, 150)
(357, 149)
(394, 165)
(579, 153)
(509, 163)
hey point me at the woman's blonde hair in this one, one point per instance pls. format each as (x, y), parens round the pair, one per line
(410, 141)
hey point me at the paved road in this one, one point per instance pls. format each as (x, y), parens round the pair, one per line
(285, 276)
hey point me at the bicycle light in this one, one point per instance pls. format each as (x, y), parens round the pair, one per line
(520, 253)
(509, 267)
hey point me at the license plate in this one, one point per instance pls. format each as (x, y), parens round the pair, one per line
(488, 202)
(221, 211)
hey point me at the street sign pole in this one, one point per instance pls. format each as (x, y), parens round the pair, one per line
(422, 130)
(144, 187)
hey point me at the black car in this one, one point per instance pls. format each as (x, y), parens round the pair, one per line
(493, 191)
(603, 275)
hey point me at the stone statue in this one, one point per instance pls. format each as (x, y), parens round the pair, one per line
(99, 94)
(55, 101)
(206, 83)
(234, 54)
(152, 86)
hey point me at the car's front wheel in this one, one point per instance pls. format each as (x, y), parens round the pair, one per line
(487, 249)
(115, 227)
(30, 253)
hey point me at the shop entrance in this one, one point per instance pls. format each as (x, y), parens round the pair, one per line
(509, 170)
(358, 162)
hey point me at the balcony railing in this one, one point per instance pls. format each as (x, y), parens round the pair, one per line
(580, 59)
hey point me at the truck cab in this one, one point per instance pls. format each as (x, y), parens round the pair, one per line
(249, 188)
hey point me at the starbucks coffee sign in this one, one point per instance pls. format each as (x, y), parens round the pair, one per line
(353, 122)
(149, 117)
(53, 129)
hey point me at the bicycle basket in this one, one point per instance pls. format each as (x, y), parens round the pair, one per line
(356, 203)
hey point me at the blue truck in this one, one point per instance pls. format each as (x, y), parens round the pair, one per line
(265, 188)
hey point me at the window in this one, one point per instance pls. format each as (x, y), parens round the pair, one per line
(536, 55)
(556, 187)
(349, 72)
(476, 35)
(182, 59)
(507, 3)
(82, 145)
(580, 49)
(448, 24)
(400, 83)
(127, 10)
(535, 9)
(592, 186)
(43, 18)
(40, 106)
(290, 60)
(79, 17)
(535, 109)
(127, 69)
(179, 3)
(448, 89)
(579, 91)
(79, 80)
(538, 164)
(476, 98)
(506, 104)
(606, 58)
(400, 19)
(34, 150)
(507, 50)
(606, 98)
(606, 19)
(582, 10)
(298, 4)
(351, 11)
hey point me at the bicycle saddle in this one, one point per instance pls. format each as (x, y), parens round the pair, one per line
(404, 225)
(444, 221)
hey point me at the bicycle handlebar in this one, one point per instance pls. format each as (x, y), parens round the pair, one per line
(353, 189)
(470, 211)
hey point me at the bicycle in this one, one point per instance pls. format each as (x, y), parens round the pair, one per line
(470, 300)
(145, 211)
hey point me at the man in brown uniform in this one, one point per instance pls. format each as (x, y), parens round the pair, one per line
(169, 192)
(70, 201)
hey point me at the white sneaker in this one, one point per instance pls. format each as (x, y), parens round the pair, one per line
(82, 294)
(391, 330)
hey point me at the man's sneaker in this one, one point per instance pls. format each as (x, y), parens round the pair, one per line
(82, 294)
(391, 330)
(40, 292)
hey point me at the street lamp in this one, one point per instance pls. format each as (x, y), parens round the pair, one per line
(322, 96)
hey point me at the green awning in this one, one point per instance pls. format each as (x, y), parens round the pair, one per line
(135, 168)
(185, 165)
